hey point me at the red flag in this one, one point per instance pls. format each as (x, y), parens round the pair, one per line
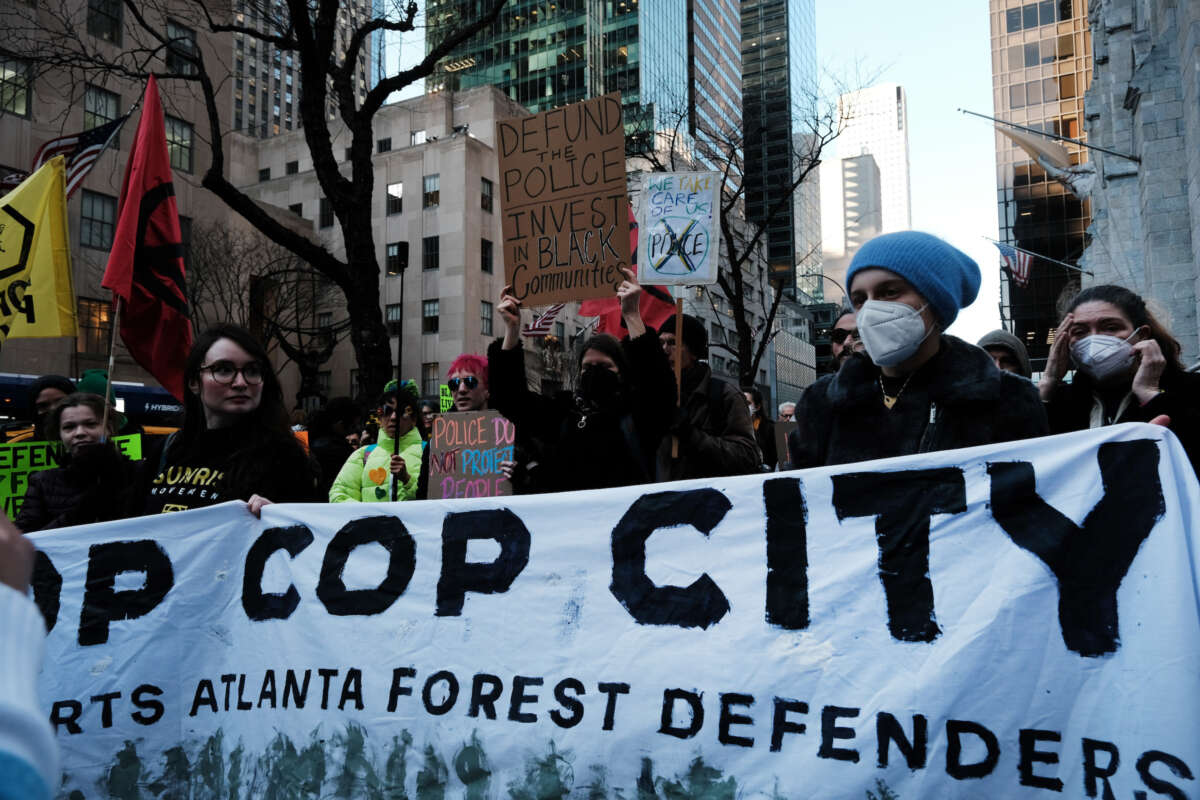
(657, 306)
(145, 267)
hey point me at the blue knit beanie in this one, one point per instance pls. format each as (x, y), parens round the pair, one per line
(944, 275)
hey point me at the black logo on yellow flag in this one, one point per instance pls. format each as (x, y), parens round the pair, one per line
(12, 296)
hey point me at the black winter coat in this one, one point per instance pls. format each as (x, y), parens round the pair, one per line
(716, 436)
(1070, 408)
(600, 450)
(956, 399)
(85, 489)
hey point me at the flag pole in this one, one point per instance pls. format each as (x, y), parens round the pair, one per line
(112, 351)
(1044, 258)
(1055, 136)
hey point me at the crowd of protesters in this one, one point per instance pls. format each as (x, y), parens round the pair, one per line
(898, 385)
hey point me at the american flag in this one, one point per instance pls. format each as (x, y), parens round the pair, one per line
(81, 150)
(541, 323)
(1018, 262)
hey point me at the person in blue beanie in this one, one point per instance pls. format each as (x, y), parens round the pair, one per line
(915, 389)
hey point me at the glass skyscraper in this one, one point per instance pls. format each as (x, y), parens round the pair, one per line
(547, 54)
(1041, 67)
(778, 92)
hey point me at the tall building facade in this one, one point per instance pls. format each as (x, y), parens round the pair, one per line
(266, 80)
(545, 55)
(862, 200)
(37, 105)
(1144, 101)
(778, 92)
(1041, 67)
(876, 122)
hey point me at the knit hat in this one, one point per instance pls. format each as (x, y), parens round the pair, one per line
(94, 381)
(405, 391)
(1005, 340)
(944, 275)
(694, 335)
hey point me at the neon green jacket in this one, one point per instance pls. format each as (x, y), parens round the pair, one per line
(366, 477)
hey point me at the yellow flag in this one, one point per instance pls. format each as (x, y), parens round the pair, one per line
(36, 295)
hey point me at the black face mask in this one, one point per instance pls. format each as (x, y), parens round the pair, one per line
(600, 389)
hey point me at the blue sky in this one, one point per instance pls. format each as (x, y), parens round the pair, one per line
(940, 52)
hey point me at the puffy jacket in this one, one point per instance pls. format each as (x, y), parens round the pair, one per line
(367, 477)
(86, 489)
(957, 399)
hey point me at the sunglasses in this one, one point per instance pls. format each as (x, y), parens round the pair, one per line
(470, 382)
(839, 335)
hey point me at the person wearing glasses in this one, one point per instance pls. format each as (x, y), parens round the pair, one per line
(236, 442)
(389, 469)
(467, 381)
(844, 340)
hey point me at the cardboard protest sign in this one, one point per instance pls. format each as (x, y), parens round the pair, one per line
(564, 202)
(1017, 620)
(680, 225)
(465, 451)
(782, 429)
(19, 459)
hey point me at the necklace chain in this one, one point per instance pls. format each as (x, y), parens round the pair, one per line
(890, 400)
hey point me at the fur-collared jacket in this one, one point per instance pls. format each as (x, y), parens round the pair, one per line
(956, 399)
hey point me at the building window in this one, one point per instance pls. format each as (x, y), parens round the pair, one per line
(324, 379)
(485, 317)
(94, 325)
(392, 317)
(264, 174)
(14, 86)
(297, 209)
(560, 331)
(104, 20)
(431, 195)
(180, 141)
(429, 316)
(324, 319)
(485, 255)
(383, 145)
(415, 138)
(431, 378)
(99, 107)
(349, 150)
(485, 194)
(397, 257)
(97, 219)
(291, 167)
(181, 50)
(430, 257)
(395, 198)
(325, 215)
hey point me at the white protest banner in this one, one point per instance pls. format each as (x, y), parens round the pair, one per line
(1006, 621)
(680, 228)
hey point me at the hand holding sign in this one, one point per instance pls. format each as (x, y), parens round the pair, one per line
(629, 293)
(510, 312)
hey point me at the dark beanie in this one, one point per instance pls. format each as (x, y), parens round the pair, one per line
(694, 335)
(59, 382)
(944, 275)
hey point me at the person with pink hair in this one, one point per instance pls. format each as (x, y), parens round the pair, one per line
(467, 380)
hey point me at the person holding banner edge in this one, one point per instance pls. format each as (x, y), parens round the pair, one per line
(91, 475)
(236, 442)
(1127, 369)
(606, 432)
(919, 390)
(28, 750)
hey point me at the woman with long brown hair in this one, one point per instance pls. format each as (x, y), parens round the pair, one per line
(1127, 369)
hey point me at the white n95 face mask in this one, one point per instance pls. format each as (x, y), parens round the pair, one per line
(1100, 356)
(892, 332)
